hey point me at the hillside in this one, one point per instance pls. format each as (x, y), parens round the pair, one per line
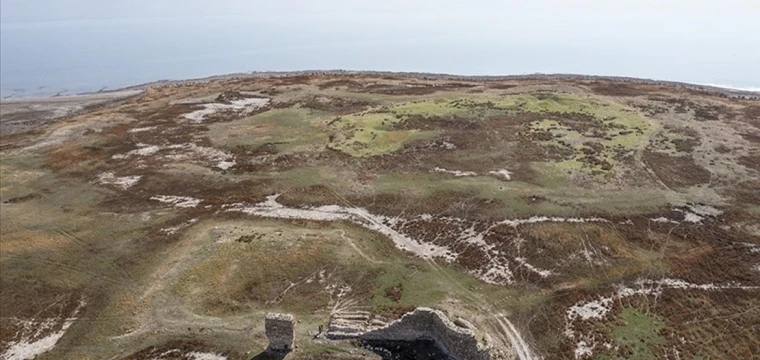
(565, 217)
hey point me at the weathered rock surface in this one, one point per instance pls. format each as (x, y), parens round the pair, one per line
(280, 331)
(430, 324)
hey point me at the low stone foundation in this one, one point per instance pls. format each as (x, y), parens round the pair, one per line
(280, 331)
(425, 323)
(352, 324)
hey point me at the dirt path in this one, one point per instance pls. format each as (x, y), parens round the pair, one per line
(503, 328)
(165, 310)
(359, 251)
(522, 350)
(507, 334)
(160, 309)
(651, 172)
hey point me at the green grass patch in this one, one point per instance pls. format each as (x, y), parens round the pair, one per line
(461, 108)
(22, 175)
(562, 198)
(367, 134)
(615, 128)
(303, 270)
(546, 124)
(637, 335)
(417, 285)
(310, 176)
(290, 128)
(753, 209)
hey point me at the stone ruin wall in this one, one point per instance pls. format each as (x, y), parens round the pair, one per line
(280, 331)
(426, 323)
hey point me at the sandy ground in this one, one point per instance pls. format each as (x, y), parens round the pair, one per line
(20, 115)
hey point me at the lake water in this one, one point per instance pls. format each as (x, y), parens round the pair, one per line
(47, 48)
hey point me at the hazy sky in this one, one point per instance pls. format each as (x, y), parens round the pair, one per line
(676, 19)
(715, 41)
(26, 10)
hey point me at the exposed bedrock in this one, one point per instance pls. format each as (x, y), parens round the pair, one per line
(458, 342)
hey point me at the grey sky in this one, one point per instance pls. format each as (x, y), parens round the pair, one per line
(705, 22)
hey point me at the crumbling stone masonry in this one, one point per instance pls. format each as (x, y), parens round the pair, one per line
(352, 324)
(425, 323)
(280, 331)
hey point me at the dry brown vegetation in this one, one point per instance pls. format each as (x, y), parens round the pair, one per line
(613, 202)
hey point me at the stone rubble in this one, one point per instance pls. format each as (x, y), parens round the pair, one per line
(430, 324)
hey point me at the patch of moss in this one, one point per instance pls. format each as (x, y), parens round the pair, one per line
(638, 335)
(614, 128)
(288, 128)
(368, 134)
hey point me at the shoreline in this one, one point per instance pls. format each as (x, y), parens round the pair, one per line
(709, 88)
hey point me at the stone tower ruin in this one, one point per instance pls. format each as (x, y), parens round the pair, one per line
(280, 331)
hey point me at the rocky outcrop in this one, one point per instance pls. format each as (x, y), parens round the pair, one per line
(459, 342)
(280, 331)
